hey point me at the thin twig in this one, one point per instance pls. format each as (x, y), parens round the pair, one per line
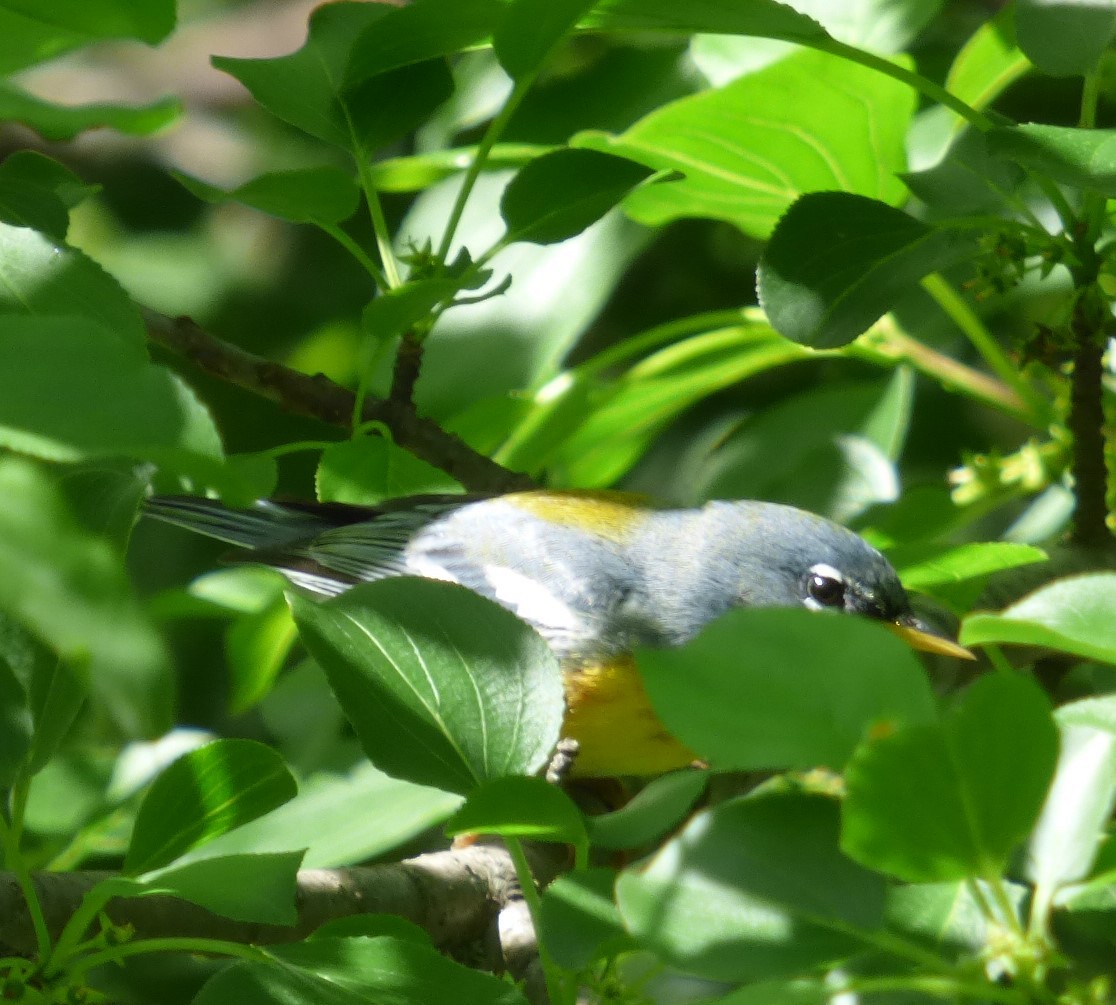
(408, 364)
(319, 397)
(1086, 422)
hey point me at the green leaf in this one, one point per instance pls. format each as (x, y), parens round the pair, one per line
(531, 29)
(988, 62)
(1073, 615)
(422, 30)
(809, 122)
(1068, 835)
(393, 970)
(202, 795)
(952, 800)
(1084, 158)
(443, 687)
(1065, 38)
(64, 122)
(560, 194)
(321, 195)
(37, 192)
(530, 808)
(774, 688)
(16, 724)
(69, 590)
(71, 389)
(259, 889)
(392, 313)
(655, 809)
(579, 921)
(421, 171)
(309, 89)
(41, 277)
(368, 470)
(949, 916)
(257, 647)
(927, 567)
(31, 31)
(761, 18)
(837, 262)
(754, 888)
(329, 819)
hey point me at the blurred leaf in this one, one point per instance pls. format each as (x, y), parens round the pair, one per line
(116, 403)
(330, 819)
(38, 192)
(64, 122)
(1073, 615)
(774, 688)
(250, 888)
(969, 178)
(988, 62)
(368, 470)
(202, 795)
(952, 800)
(41, 277)
(948, 916)
(821, 122)
(443, 687)
(419, 171)
(393, 312)
(1067, 837)
(16, 724)
(1065, 38)
(373, 926)
(562, 193)
(579, 921)
(838, 262)
(922, 568)
(105, 495)
(257, 646)
(1083, 158)
(530, 808)
(754, 888)
(529, 31)
(32, 32)
(68, 588)
(321, 195)
(656, 808)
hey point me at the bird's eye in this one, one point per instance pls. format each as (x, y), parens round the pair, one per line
(827, 591)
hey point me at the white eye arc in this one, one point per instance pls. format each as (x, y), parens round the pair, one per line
(825, 587)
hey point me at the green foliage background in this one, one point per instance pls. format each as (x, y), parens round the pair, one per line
(562, 211)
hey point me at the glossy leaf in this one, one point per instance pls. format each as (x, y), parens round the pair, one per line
(420, 171)
(764, 689)
(837, 262)
(952, 800)
(754, 888)
(749, 149)
(202, 795)
(322, 195)
(1073, 615)
(530, 808)
(761, 18)
(65, 122)
(1069, 832)
(530, 29)
(658, 807)
(1084, 158)
(371, 469)
(258, 888)
(560, 194)
(394, 970)
(329, 818)
(443, 687)
(68, 589)
(922, 569)
(1065, 38)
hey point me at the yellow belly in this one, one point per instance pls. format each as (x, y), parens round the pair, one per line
(610, 716)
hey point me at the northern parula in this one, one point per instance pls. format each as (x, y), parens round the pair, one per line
(595, 573)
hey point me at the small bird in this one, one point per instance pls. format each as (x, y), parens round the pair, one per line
(595, 573)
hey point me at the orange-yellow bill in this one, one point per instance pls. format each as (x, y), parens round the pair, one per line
(917, 637)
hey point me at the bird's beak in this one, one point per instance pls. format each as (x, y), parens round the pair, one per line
(919, 636)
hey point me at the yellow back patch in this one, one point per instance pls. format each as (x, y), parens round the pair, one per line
(610, 515)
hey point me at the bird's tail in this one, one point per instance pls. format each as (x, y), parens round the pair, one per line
(265, 525)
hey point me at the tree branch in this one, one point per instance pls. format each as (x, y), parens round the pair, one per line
(455, 896)
(320, 398)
